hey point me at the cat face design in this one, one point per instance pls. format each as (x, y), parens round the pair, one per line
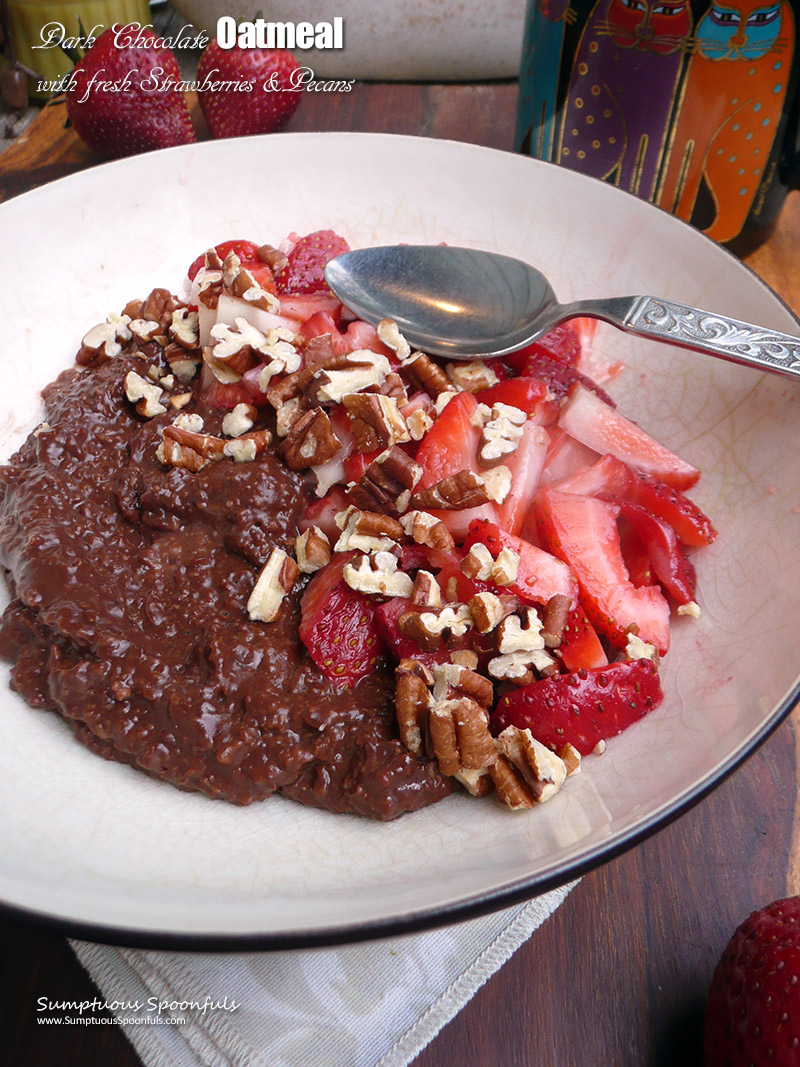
(659, 26)
(739, 31)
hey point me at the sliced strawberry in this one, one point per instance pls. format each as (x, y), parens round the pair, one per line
(323, 512)
(580, 646)
(689, 522)
(305, 269)
(670, 564)
(585, 417)
(635, 555)
(612, 479)
(224, 397)
(338, 626)
(525, 464)
(530, 395)
(564, 456)
(556, 374)
(301, 306)
(357, 462)
(451, 444)
(582, 531)
(247, 251)
(562, 343)
(540, 576)
(584, 707)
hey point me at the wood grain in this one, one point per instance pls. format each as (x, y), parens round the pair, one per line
(618, 974)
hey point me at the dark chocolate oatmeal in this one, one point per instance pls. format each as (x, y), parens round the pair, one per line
(130, 582)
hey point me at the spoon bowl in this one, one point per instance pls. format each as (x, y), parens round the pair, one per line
(464, 303)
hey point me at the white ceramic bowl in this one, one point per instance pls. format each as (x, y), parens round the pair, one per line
(114, 855)
(426, 40)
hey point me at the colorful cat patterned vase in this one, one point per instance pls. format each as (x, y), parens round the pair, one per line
(622, 90)
(730, 112)
(539, 79)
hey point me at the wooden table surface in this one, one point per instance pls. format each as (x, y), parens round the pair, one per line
(619, 974)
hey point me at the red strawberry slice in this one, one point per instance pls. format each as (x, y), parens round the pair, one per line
(540, 576)
(451, 444)
(562, 343)
(150, 113)
(530, 395)
(557, 375)
(582, 531)
(221, 396)
(592, 422)
(611, 479)
(247, 251)
(338, 626)
(305, 269)
(525, 463)
(584, 707)
(323, 511)
(274, 95)
(670, 564)
(754, 1001)
(564, 456)
(580, 646)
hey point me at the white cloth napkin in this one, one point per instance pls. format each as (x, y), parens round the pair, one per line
(375, 1004)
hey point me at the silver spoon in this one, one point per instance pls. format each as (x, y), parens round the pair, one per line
(463, 303)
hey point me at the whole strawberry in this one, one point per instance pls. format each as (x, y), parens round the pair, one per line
(263, 93)
(753, 1008)
(124, 96)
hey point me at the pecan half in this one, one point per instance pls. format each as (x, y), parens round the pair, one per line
(425, 529)
(412, 700)
(460, 737)
(310, 442)
(387, 482)
(528, 772)
(375, 420)
(454, 493)
(422, 373)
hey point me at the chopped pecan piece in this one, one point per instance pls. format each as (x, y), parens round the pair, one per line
(389, 334)
(478, 563)
(454, 493)
(420, 420)
(506, 567)
(375, 420)
(276, 579)
(528, 772)
(184, 328)
(386, 484)
(273, 257)
(206, 445)
(555, 620)
(422, 373)
(412, 700)
(160, 305)
(105, 340)
(312, 549)
(501, 434)
(241, 283)
(452, 679)
(182, 363)
(460, 737)
(378, 574)
(367, 531)
(310, 442)
(426, 592)
(428, 627)
(210, 288)
(471, 377)
(239, 420)
(146, 396)
(477, 783)
(489, 609)
(364, 370)
(425, 529)
(245, 448)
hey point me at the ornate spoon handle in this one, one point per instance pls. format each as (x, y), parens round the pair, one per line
(705, 331)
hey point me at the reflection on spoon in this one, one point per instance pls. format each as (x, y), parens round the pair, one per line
(463, 303)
